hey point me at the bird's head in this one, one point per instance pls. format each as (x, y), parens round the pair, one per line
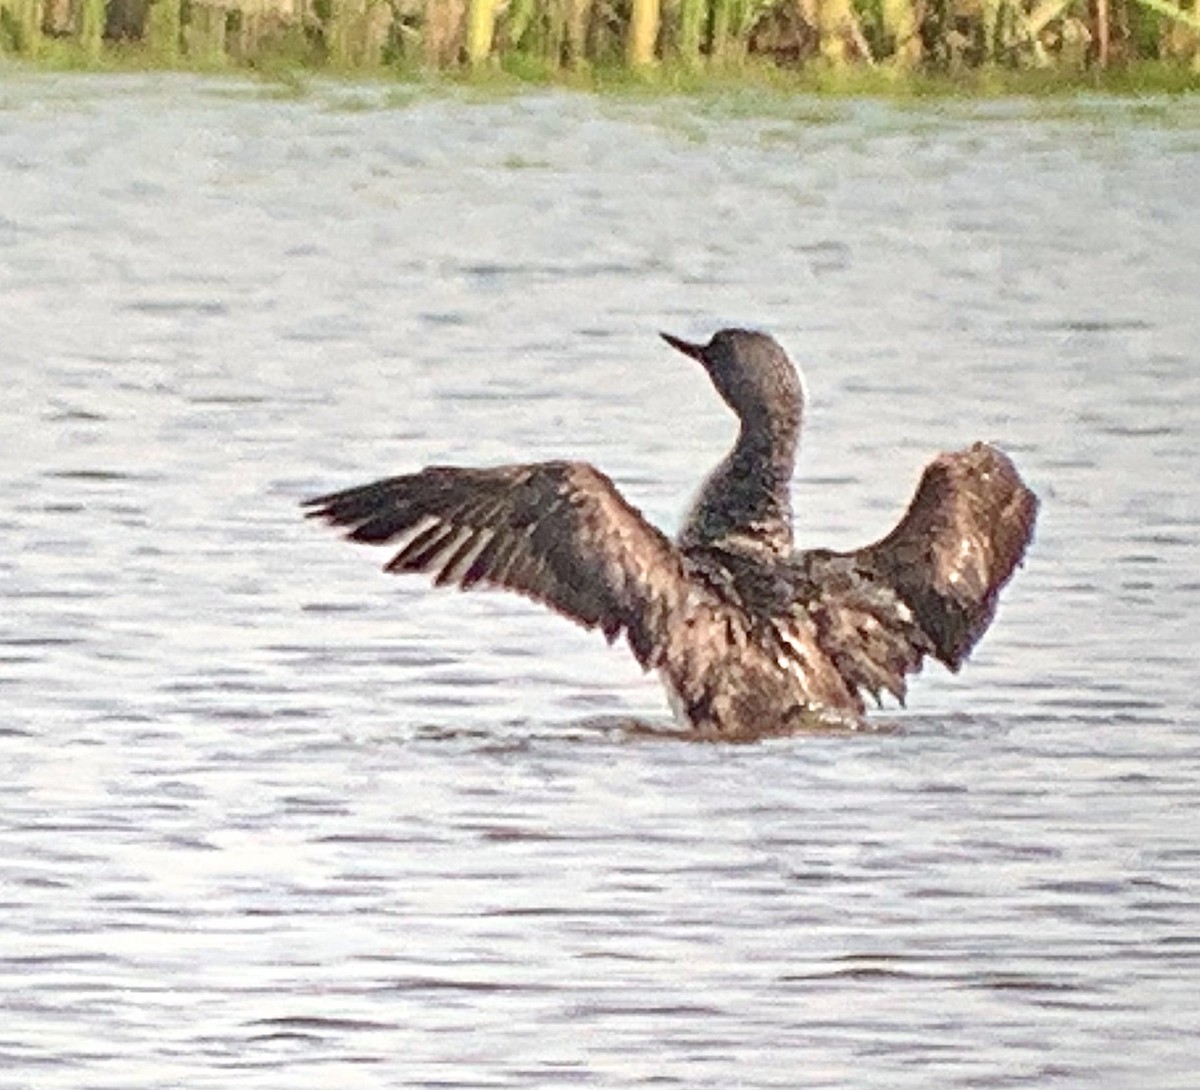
(752, 373)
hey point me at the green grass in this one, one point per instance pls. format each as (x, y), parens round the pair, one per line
(751, 84)
(751, 87)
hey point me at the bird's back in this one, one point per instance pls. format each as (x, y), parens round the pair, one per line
(785, 634)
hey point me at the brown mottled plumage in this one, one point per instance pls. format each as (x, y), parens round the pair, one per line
(751, 637)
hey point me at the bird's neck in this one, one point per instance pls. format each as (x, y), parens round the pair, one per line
(746, 502)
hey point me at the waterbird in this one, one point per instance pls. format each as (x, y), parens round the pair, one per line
(750, 636)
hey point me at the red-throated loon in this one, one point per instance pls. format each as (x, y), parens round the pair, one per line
(751, 637)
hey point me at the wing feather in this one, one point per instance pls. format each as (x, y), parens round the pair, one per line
(928, 587)
(960, 541)
(557, 532)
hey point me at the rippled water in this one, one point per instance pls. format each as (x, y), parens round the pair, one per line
(270, 818)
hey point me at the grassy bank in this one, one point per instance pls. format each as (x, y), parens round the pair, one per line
(826, 46)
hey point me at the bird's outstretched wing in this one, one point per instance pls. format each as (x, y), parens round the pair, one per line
(931, 585)
(962, 537)
(557, 532)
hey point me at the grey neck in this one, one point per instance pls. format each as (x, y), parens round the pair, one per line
(746, 502)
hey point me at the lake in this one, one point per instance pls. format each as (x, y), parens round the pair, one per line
(271, 817)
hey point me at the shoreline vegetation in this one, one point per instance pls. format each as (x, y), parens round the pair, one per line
(832, 46)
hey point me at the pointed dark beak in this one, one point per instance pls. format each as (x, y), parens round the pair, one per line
(696, 351)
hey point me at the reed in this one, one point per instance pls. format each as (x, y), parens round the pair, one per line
(723, 18)
(164, 29)
(92, 14)
(642, 38)
(902, 32)
(693, 20)
(671, 41)
(204, 38)
(21, 22)
(481, 28)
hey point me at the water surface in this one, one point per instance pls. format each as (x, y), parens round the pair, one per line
(270, 817)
